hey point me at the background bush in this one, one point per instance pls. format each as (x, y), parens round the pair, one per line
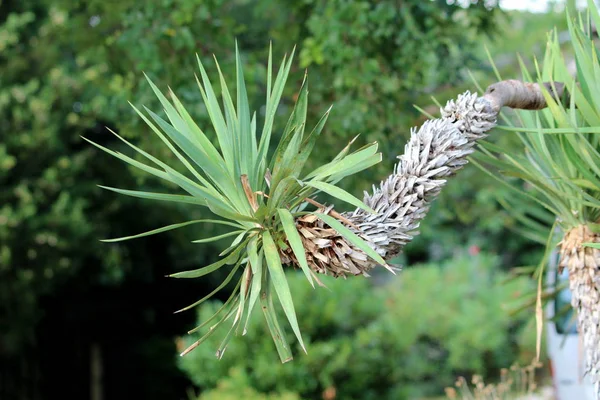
(406, 338)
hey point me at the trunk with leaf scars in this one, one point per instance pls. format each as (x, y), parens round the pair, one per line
(583, 264)
(436, 151)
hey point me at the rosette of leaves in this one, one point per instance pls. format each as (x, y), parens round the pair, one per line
(258, 195)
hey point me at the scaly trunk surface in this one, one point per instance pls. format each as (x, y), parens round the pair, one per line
(583, 264)
(434, 152)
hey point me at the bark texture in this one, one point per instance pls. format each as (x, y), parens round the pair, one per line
(583, 264)
(435, 152)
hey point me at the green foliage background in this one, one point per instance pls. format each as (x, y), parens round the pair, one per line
(68, 69)
(406, 339)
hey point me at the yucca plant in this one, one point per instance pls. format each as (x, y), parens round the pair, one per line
(258, 196)
(265, 199)
(556, 173)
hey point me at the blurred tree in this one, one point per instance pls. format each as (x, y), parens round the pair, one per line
(68, 69)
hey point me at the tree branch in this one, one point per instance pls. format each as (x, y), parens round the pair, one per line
(521, 95)
(434, 152)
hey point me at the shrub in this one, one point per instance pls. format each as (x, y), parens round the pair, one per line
(237, 386)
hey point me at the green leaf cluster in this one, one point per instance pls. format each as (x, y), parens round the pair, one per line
(256, 194)
(555, 175)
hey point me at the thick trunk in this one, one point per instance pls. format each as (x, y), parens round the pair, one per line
(433, 153)
(583, 264)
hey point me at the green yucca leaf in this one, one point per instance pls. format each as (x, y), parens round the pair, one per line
(228, 305)
(291, 139)
(255, 258)
(247, 146)
(285, 167)
(169, 228)
(212, 329)
(366, 162)
(232, 123)
(518, 190)
(345, 150)
(232, 258)
(252, 250)
(172, 175)
(273, 99)
(203, 141)
(244, 290)
(293, 238)
(234, 243)
(287, 190)
(220, 179)
(218, 209)
(551, 131)
(255, 288)
(351, 237)
(157, 196)
(166, 141)
(209, 195)
(280, 284)
(534, 230)
(219, 237)
(309, 143)
(131, 161)
(266, 301)
(211, 294)
(341, 166)
(226, 339)
(180, 126)
(216, 116)
(185, 139)
(339, 193)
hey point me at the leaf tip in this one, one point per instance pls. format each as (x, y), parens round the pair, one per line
(190, 348)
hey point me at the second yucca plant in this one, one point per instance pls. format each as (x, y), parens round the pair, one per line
(556, 175)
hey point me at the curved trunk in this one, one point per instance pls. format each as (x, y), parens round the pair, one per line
(433, 153)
